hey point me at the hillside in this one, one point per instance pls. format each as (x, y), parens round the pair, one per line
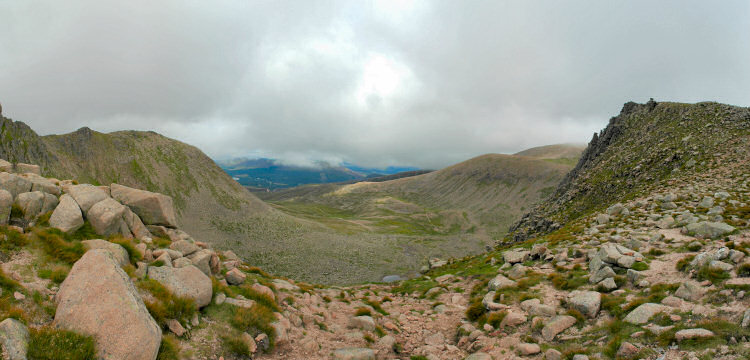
(451, 212)
(661, 274)
(641, 147)
(376, 229)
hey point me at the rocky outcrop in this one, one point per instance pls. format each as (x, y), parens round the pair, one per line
(98, 298)
(152, 208)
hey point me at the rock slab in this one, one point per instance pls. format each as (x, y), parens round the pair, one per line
(98, 298)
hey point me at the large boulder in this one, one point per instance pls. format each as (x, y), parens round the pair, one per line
(39, 183)
(107, 218)
(135, 225)
(557, 325)
(49, 204)
(5, 166)
(14, 184)
(14, 339)
(709, 229)
(153, 208)
(188, 282)
(67, 215)
(86, 195)
(644, 312)
(31, 203)
(586, 302)
(6, 203)
(117, 251)
(98, 298)
(22, 168)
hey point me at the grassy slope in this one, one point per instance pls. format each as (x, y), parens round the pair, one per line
(557, 151)
(451, 212)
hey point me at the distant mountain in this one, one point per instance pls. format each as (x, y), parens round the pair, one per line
(375, 172)
(263, 174)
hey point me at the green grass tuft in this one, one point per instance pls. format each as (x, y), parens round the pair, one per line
(51, 344)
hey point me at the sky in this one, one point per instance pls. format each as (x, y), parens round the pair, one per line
(375, 83)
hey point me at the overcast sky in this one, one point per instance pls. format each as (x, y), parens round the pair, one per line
(375, 83)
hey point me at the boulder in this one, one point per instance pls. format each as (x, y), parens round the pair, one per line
(42, 184)
(709, 229)
(86, 195)
(6, 203)
(587, 302)
(14, 339)
(188, 282)
(644, 312)
(106, 217)
(706, 202)
(98, 298)
(552, 354)
(49, 204)
(14, 184)
(135, 225)
(5, 166)
(184, 246)
(22, 168)
(513, 319)
(265, 290)
(500, 282)
(627, 350)
(690, 334)
(557, 325)
(516, 256)
(354, 354)
(118, 252)
(601, 274)
(746, 318)
(67, 215)
(479, 356)
(31, 204)
(153, 208)
(528, 349)
(362, 322)
(235, 277)
(202, 260)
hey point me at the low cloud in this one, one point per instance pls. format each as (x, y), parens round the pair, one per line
(375, 83)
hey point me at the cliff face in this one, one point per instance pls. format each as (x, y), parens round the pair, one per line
(19, 143)
(644, 145)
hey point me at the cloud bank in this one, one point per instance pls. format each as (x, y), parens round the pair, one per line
(374, 83)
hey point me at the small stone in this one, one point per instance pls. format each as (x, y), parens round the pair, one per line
(18, 296)
(556, 326)
(627, 350)
(175, 327)
(354, 354)
(552, 354)
(527, 349)
(689, 334)
(235, 276)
